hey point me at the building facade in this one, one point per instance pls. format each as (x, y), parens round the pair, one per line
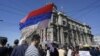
(64, 30)
(97, 40)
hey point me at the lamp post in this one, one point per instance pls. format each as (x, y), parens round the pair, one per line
(1, 20)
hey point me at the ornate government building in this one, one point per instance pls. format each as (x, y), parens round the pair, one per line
(64, 30)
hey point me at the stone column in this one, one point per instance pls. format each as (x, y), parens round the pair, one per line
(85, 38)
(44, 35)
(51, 35)
(77, 37)
(71, 38)
(57, 34)
(88, 39)
(80, 38)
(74, 37)
(61, 36)
(41, 35)
(67, 38)
(73, 41)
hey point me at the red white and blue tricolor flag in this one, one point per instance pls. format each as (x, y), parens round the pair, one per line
(37, 18)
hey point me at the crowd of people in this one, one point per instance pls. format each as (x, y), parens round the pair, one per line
(36, 49)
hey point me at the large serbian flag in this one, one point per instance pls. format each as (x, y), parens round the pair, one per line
(37, 19)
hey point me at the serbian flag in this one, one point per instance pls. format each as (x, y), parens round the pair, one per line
(37, 18)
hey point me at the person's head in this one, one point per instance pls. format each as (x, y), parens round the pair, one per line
(36, 39)
(97, 48)
(48, 48)
(77, 47)
(16, 42)
(54, 45)
(8, 45)
(3, 41)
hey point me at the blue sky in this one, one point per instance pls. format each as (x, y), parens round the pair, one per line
(12, 11)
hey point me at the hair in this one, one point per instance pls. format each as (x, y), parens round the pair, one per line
(77, 47)
(35, 37)
(24, 42)
(3, 41)
(16, 41)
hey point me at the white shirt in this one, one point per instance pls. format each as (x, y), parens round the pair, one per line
(69, 52)
(48, 53)
(61, 52)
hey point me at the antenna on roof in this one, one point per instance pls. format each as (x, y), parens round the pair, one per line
(62, 9)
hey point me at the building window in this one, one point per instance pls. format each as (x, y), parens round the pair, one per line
(76, 28)
(73, 27)
(65, 36)
(64, 23)
(83, 30)
(88, 31)
(55, 19)
(55, 35)
(68, 26)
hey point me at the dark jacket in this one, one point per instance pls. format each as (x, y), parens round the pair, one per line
(3, 51)
(55, 53)
(19, 50)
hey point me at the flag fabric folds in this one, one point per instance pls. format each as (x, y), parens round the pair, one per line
(36, 19)
(39, 17)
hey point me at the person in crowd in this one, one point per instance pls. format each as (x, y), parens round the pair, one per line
(48, 51)
(32, 50)
(92, 51)
(69, 51)
(62, 51)
(41, 51)
(10, 49)
(55, 52)
(3, 49)
(16, 43)
(97, 51)
(65, 47)
(20, 50)
(75, 51)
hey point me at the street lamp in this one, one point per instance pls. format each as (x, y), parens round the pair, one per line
(1, 20)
